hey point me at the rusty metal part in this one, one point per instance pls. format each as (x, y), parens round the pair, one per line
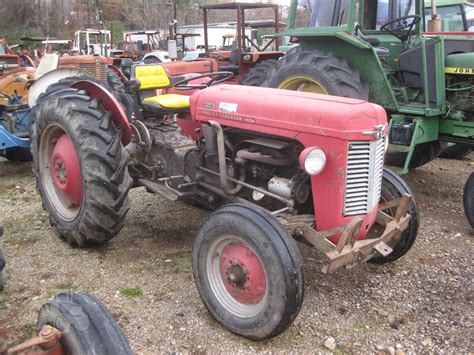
(47, 339)
(349, 251)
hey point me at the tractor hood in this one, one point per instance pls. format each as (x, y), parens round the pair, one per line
(460, 63)
(290, 114)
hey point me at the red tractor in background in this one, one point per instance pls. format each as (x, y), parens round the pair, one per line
(275, 165)
(245, 55)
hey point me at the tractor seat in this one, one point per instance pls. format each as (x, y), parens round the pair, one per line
(233, 66)
(153, 77)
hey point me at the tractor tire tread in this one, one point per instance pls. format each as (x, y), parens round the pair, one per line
(111, 183)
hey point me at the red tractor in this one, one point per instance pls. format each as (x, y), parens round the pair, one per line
(275, 165)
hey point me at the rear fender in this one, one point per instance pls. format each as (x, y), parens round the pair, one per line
(118, 72)
(110, 103)
(52, 77)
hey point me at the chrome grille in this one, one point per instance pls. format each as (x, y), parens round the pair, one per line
(363, 176)
(90, 68)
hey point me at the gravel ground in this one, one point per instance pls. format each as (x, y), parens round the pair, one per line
(421, 303)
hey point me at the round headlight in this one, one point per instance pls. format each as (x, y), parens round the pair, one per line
(313, 160)
(247, 57)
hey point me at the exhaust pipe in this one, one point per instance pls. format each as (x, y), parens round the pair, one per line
(434, 25)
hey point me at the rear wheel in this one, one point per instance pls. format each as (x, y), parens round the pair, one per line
(151, 60)
(18, 154)
(80, 167)
(260, 72)
(456, 151)
(423, 154)
(248, 271)
(468, 200)
(317, 72)
(86, 325)
(393, 187)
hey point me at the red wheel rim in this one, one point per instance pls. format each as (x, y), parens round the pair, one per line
(59, 172)
(66, 170)
(242, 273)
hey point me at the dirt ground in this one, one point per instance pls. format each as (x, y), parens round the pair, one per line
(421, 303)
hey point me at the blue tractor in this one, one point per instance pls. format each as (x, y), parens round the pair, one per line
(14, 119)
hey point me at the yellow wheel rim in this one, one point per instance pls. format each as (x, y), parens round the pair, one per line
(303, 83)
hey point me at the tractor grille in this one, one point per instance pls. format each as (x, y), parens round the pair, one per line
(363, 176)
(90, 68)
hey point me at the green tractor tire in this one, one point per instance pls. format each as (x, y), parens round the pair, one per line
(423, 154)
(456, 151)
(317, 72)
(260, 72)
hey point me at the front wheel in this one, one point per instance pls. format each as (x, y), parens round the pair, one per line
(393, 187)
(87, 327)
(248, 271)
(468, 200)
(80, 167)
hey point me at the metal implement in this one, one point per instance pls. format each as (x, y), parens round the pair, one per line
(349, 251)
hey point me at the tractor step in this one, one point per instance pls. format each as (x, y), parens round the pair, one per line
(158, 189)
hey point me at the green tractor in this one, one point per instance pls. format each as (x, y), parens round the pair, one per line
(379, 50)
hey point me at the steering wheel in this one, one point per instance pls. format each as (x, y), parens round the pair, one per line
(401, 24)
(216, 78)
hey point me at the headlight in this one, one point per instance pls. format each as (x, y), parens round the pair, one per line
(247, 58)
(313, 160)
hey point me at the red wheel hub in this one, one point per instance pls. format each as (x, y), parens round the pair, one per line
(66, 170)
(242, 273)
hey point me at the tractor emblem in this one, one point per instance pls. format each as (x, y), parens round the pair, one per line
(377, 133)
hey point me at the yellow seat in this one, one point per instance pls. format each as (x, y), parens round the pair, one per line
(169, 101)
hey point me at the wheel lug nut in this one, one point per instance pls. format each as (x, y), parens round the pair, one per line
(246, 285)
(232, 278)
(235, 262)
(245, 271)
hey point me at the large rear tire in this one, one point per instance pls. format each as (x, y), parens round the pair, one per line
(468, 200)
(80, 167)
(393, 187)
(456, 151)
(86, 325)
(260, 72)
(423, 154)
(319, 73)
(248, 271)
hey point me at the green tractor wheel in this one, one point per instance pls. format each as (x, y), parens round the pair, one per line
(319, 73)
(423, 154)
(259, 73)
